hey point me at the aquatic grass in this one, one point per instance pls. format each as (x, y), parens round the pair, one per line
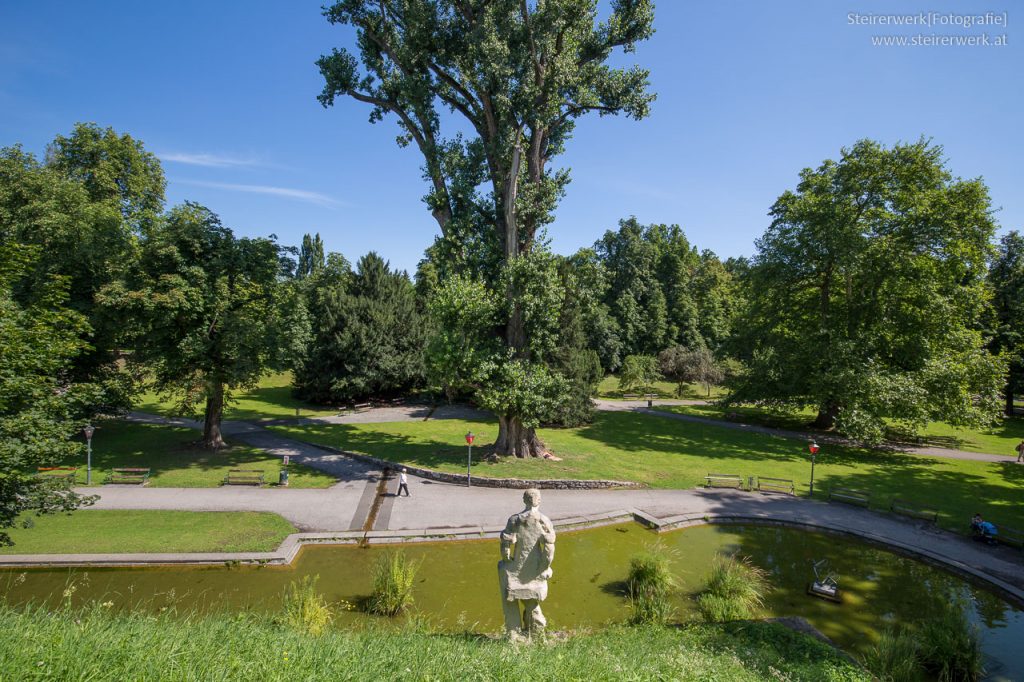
(950, 649)
(895, 657)
(393, 578)
(649, 586)
(734, 591)
(304, 608)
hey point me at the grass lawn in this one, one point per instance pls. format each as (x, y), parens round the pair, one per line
(609, 388)
(999, 440)
(96, 644)
(94, 531)
(665, 453)
(271, 399)
(176, 462)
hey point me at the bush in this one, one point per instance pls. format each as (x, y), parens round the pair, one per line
(304, 608)
(650, 585)
(735, 591)
(393, 577)
(949, 646)
(895, 658)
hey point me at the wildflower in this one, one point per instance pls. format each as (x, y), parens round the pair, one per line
(107, 604)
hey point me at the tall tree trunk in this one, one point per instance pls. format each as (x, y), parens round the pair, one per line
(212, 437)
(517, 440)
(1009, 400)
(827, 414)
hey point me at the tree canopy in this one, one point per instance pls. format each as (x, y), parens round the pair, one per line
(867, 293)
(518, 75)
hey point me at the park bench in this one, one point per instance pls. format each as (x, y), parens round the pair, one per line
(766, 484)
(860, 498)
(723, 481)
(914, 510)
(244, 477)
(1010, 536)
(630, 396)
(64, 474)
(129, 475)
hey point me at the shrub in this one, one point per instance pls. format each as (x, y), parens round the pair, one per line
(650, 585)
(393, 577)
(734, 591)
(304, 608)
(895, 658)
(949, 646)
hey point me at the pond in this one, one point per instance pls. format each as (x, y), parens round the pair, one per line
(457, 584)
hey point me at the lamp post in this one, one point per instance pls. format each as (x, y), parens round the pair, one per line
(469, 457)
(88, 431)
(813, 447)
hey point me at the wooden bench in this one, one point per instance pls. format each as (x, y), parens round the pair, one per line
(128, 475)
(723, 481)
(244, 477)
(1010, 536)
(860, 498)
(65, 475)
(766, 484)
(630, 396)
(914, 510)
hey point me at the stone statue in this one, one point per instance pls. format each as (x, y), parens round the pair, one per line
(527, 549)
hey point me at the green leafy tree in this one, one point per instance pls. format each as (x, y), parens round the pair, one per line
(462, 313)
(867, 293)
(85, 206)
(690, 366)
(209, 301)
(517, 76)
(311, 256)
(1007, 279)
(370, 340)
(572, 357)
(639, 373)
(40, 409)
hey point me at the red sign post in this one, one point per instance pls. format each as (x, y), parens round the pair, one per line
(469, 457)
(813, 447)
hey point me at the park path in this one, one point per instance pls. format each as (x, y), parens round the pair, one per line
(439, 508)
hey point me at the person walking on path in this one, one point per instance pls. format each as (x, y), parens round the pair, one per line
(403, 484)
(1020, 451)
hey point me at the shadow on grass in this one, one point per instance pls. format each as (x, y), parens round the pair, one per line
(171, 450)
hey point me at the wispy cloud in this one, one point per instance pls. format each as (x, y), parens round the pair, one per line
(287, 192)
(210, 160)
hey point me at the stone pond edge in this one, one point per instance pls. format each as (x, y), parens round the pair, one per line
(290, 547)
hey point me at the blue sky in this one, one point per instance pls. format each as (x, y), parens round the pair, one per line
(748, 94)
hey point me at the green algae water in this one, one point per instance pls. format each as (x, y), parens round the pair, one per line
(457, 584)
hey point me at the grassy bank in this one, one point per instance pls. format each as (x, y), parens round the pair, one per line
(97, 645)
(175, 461)
(666, 453)
(93, 531)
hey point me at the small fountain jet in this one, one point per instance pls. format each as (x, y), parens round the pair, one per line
(826, 583)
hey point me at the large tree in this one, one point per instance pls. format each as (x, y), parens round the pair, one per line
(518, 74)
(867, 293)
(368, 339)
(41, 408)
(212, 308)
(85, 206)
(1007, 278)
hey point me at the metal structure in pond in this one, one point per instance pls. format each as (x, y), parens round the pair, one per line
(825, 584)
